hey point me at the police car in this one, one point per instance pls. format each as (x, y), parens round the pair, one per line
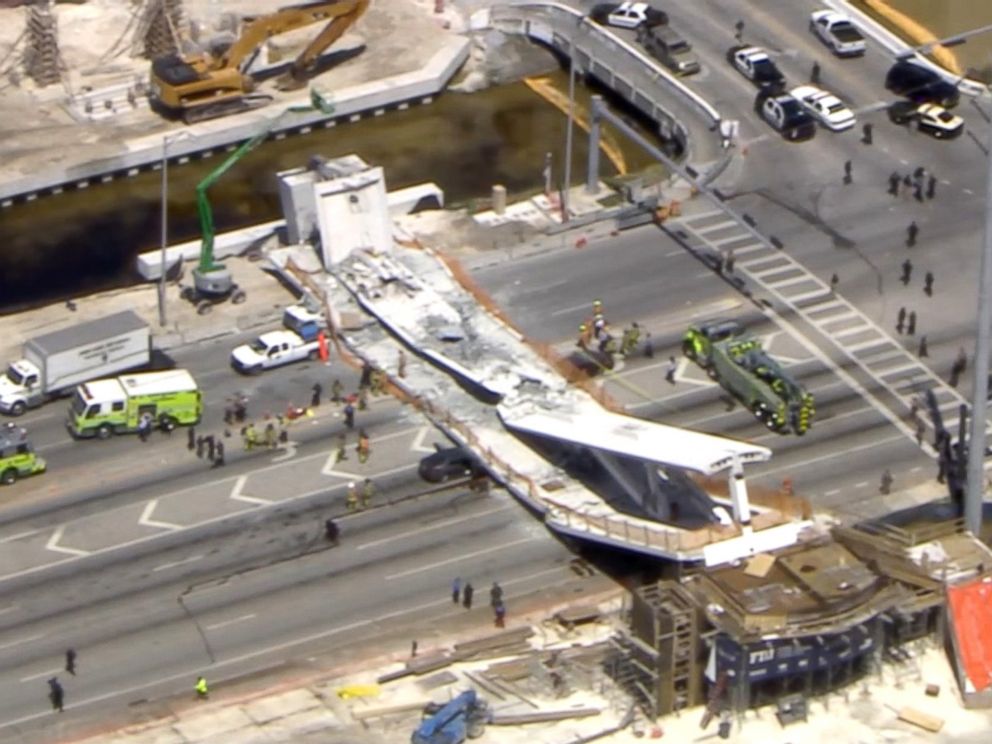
(837, 32)
(628, 15)
(827, 108)
(930, 118)
(786, 116)
(754, 63)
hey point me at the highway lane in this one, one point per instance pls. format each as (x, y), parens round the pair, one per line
(385, 574)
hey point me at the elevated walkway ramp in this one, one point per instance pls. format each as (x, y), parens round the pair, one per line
(590, 425)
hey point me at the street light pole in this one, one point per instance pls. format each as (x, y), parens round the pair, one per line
(162, 320)
(569, 127)
(979, 408)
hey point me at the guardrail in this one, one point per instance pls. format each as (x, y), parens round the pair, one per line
(621, 66)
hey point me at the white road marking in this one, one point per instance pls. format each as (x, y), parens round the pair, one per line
(416, 611)
(796, 466)
(19, 641)
(225, 623)
(437, 526)
(363, 476)
(238, 496)
(670, 254)
(459, 558)
(9, 608)
(567, 310)
(832, 492)
(146, 518)
(418, 441)
(53, 544)
(47, 673)
(19, 536)
(289, 451)
(861, 484)
(173, 564)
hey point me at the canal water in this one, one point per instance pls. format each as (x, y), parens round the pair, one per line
(84, 241)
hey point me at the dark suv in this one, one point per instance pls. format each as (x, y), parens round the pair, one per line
(920, 85)
(449, 462)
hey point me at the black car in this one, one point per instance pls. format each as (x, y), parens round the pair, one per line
(921, 85)
(449, 462)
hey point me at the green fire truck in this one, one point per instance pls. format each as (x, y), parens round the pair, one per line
(736, 360)
(17, 456)
(117, 405)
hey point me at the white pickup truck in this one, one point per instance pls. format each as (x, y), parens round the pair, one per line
(273, 349)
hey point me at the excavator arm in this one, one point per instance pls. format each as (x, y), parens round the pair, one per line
(331, 33)
(343, 13)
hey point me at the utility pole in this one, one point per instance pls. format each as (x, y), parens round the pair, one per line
(570, 125)
(979, 407)
(162, 321)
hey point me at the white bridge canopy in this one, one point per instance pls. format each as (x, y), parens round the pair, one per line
(592, 426)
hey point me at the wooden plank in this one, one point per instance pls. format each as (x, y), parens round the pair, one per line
(361, 714)
(921, 719)
(542, 716)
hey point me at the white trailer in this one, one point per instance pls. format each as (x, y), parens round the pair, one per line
(56, 362)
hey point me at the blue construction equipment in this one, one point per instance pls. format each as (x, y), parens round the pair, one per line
(464, 717)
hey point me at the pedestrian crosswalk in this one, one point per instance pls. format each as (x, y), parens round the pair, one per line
(742, 253)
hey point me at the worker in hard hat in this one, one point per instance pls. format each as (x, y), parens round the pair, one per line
(352, 498)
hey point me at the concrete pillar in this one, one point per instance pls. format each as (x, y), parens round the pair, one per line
(592, 168)
(499, 199)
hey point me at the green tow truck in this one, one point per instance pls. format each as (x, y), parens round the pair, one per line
(17, 455)
(736, 360)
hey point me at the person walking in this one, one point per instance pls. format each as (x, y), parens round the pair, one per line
(456, 590)
(336, 390)
(315, 393)
(349, 415)
(351, 498)
(191, 438)
(202, 691)
(342, 449)
(201, 445)
(363, 448)
(848, 178)
(918, 191)
(363, 398)
(495, 594)
(834, 281)
(923, 351)
(271, 436)
(368, 493)
(467, 595)
(211, 446)
(920, 431)
(907, 272)
(931, 186)
(56, 694)
(901, 321)
(911, 324)
(911, 234)
(919, 173)
(648, 346)
(885, 485)
(70, 661)
(331, 531)
(250, 437)
(928, 284)
(219, 460)
(401, 364)
(144, 427)
(730, 261)
(673, 366)
(499, 611)
(866, 131)
(814, 74)
(894, 180)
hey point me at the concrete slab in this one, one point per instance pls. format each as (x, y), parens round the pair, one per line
(212, 721)
(249, 735)
(308, 721)
(281, 706)
(151, 736)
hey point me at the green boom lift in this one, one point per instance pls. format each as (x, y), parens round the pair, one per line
(212, 281)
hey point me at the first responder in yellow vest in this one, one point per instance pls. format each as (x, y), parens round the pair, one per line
(201, 688)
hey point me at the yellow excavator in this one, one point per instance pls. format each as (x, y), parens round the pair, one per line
(206, 86)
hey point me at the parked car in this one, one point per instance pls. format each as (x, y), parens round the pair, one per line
(827, 108)
(786, 116)
(754, 63)
(666, 45)
(921, 84)
(449, 462)
(930, 118)
(628, 15)
(838, 32)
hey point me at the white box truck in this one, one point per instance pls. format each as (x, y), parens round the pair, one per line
(56, 362)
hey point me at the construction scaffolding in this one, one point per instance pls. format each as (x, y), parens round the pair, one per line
(657, 659)
(159, 29)
(41, 53)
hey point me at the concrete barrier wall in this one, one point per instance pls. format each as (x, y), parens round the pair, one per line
(219, 135)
